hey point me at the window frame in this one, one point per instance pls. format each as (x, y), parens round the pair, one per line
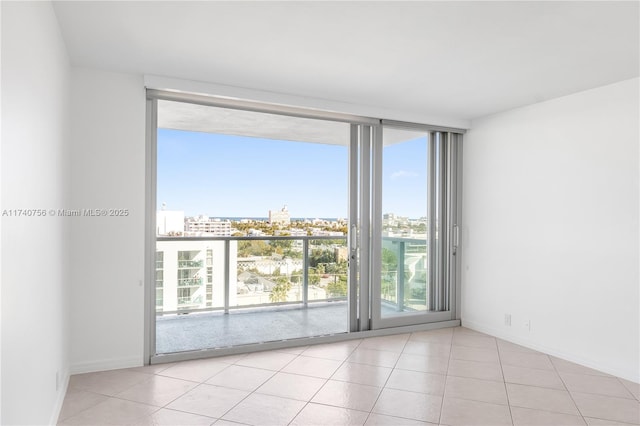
(365, 162)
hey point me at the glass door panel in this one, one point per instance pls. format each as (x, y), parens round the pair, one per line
(405, 255)
(410, 180)
(251, 227)
(273, 225)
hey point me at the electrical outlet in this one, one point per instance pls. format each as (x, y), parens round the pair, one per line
(507, 320)
(527, 325)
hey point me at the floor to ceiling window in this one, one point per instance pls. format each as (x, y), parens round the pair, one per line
(273, 224)
(416, 217)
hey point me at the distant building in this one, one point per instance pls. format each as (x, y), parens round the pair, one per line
(324, 233)
(191, 274)
(296, 232)
(169, 222)
(341, 254)
(280, 217)
(203, 225)
(255, 233)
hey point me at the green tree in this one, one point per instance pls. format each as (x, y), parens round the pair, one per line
(293, 253)
(248, 248)
(321, 256)
(389, 274)
(314, 278)
(280, 291)
(337, 288)
(296, 276)
(281, 246)
(389, 260)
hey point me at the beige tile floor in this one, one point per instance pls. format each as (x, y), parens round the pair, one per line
(448, 377)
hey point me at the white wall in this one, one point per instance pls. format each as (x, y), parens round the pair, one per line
(551, 211)
(551, 227)
(1, 204)
(107, 172)
(35, 85)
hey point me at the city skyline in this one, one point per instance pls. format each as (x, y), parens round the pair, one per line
(219, 175)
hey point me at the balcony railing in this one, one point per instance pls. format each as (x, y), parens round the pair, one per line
(190, 282)
(404, 281)
(249, 272)
(279, 270)
(190, 264)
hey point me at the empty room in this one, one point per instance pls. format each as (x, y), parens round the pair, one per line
(320, 213)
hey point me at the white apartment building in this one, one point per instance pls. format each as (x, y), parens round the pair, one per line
(169, 222)
(295, 232)
(203, 225)
(267, 266)
(190, 274)
(324, 233)
(281, 216)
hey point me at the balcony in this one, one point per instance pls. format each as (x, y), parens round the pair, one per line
(404, 274)
(190, 264)
(190, 282)
(261, 289)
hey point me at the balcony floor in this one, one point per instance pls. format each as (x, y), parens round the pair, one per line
(178, 333)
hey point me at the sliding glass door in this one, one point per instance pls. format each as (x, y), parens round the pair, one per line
(251, 227)
(415, 226)
(272, 224)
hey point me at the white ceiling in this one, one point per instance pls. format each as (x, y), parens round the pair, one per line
(454, 59)
(200, 118)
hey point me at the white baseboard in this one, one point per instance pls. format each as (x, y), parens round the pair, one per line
(62, 392)
(558, 353)
(106, 364)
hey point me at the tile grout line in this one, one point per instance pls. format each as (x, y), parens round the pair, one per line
(601, 394)
(393, 369)
(567, 390)
(479, 379)
(446, 379)
(84, 409)
(253, 391)
(595, 394)
(109, 396)
(550, 389)
(559, 377)
(383, 387)
(306, 404)
(199, 384)
(195, 387)
(620, 380)
(504, 382)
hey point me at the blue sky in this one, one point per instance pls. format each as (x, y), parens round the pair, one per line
(404, 178)
(234, 176)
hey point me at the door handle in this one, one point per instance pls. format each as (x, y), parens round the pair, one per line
(456, 236)
(354, 237)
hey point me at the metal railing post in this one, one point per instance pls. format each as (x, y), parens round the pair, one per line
(305, 272)
(227, 261)
(400, 280)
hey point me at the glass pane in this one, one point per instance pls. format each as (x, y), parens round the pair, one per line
(265, 278)
(404, 269)
(328, 269)
(184, 281)
(246, 202)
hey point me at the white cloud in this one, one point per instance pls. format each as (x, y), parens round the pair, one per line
(403, 174)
